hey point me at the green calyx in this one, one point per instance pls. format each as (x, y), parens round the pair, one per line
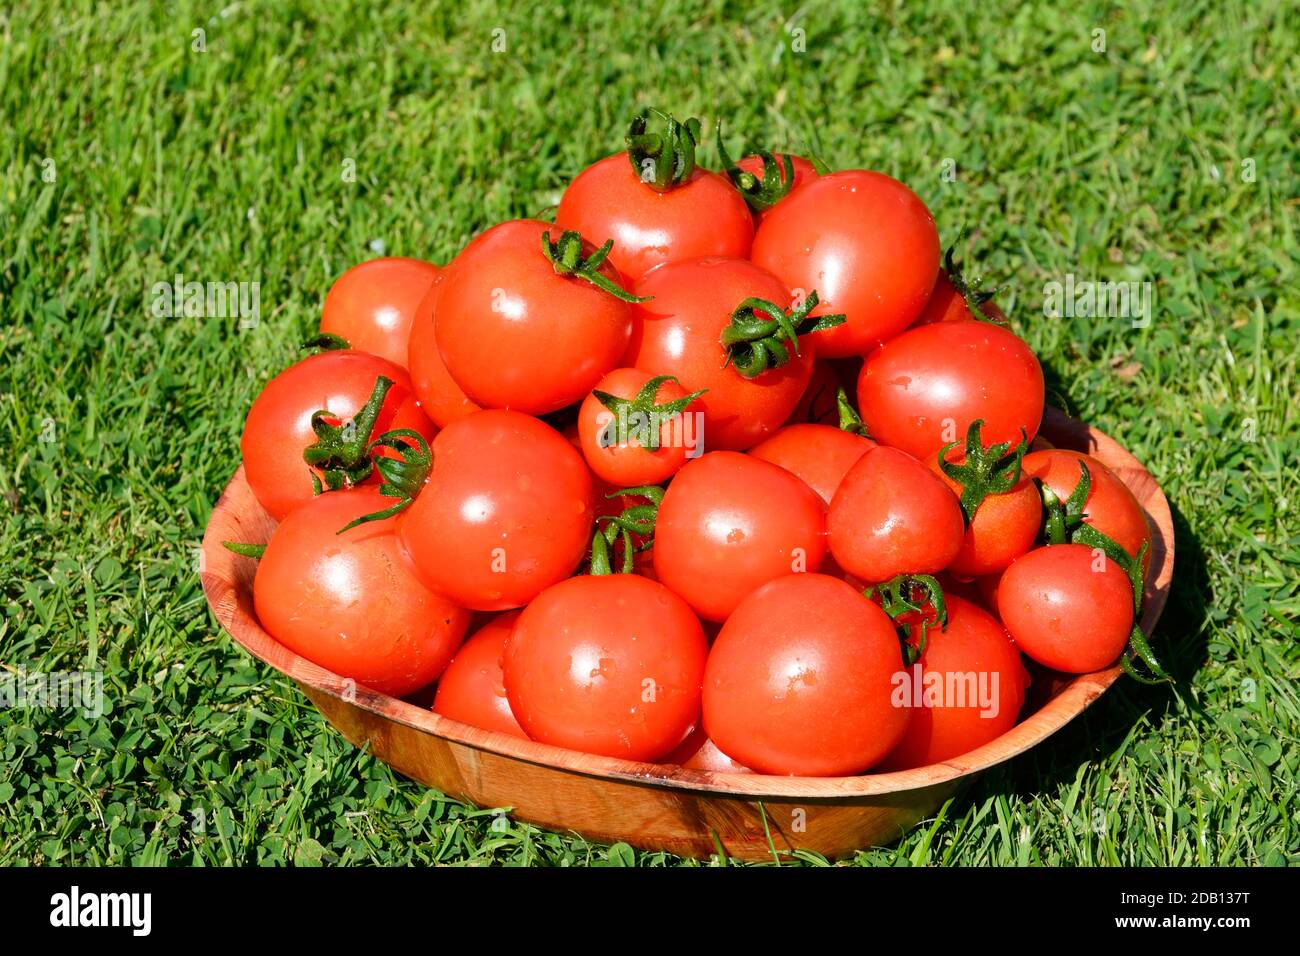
(567, 259)
(761, 333)
(637, 521)
(662, 160)
(994, 470)
(640, 417)
(1139, 649)
(760, 192)
(850, 420)
(1064, 523)
(403, 476)
(341, 453)
(912, 594)
(327, 342)
(968, 290)
(1063, 518)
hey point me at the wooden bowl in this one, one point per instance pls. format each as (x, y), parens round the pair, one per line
(657, 807)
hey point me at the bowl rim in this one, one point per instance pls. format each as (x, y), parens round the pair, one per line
(222, 592)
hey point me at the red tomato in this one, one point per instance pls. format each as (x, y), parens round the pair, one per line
(600, 488)
(516, 334)
(507, 511)
(966, 689)
(278, 428)
(1110, 507)
(351, 602)
(804, 171)
(1067, 607)
(440, 397)
(865, 242)
(698, 752)
(948, 304)
(819, 454)
(923, 389)
(729, 523)
(891, 516)
(704, 216)
(678, 333)
(627, 463)
(472, 688)
(608, 502)
(607, 664)
(799, 680)
(372, 304)
(1004, 527)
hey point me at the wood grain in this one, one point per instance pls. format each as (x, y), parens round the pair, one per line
(650, 805)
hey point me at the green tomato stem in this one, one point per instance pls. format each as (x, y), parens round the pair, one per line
(567, 259)
(662, 160)
(761, 334)
(759, 192)
(992, 470)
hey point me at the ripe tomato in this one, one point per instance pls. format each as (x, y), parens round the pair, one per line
(515, 333)
(609, 502)
(351, 602)
(507, 511)
(1067, 607)
(799, 680)
(372, 304)
(600, 488)
(819, 454)
(1004, 526)
(667, 417)
(891, 516)
(440, 397)
(729, 523)
(1110, 507)
(865, 242)
(947, 303)
(704, 216)
(279, 428)
(678, 332)
(966, 689)
(608, 664)
(698, 752)
(804, 170)
(923, 389)
(472, 688)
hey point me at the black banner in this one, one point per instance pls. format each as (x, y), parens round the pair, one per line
(366, 905)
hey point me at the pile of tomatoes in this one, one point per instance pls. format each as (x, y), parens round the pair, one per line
(719, 469)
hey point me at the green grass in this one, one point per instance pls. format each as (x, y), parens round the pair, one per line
(226, 165)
